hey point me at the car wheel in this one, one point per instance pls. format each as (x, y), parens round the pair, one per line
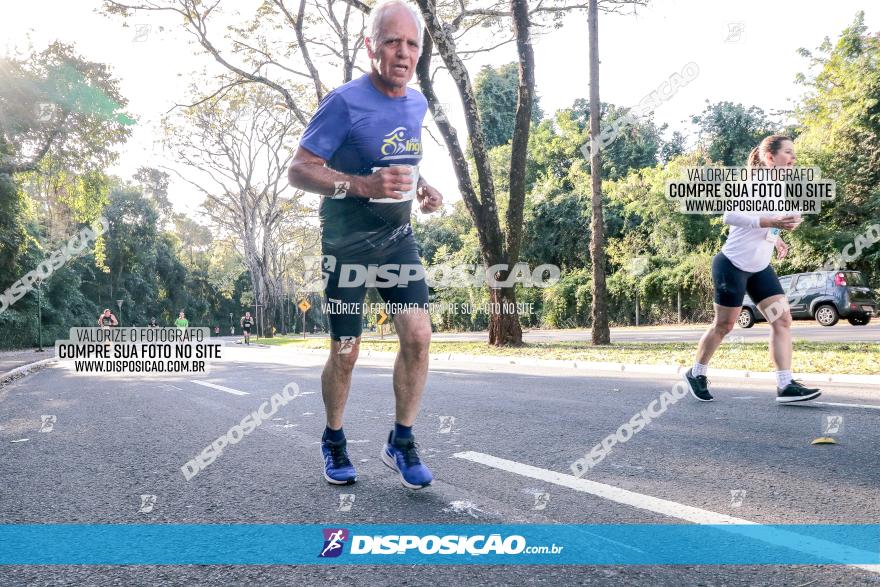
(861, 321)
(746, 318)
(827, 315)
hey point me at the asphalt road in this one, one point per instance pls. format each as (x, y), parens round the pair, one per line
(810, 331)
(116, 439)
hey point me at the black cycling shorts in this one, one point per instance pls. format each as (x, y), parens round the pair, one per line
(392, 268)
(732, 283)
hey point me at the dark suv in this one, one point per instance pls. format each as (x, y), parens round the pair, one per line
(826, 296)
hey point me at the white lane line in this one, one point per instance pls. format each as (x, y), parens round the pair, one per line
(790, 540)
(221, 388)
(610, 492)
(866, 406)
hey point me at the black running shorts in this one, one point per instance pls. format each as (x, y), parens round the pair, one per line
(732, 283)
(393, 268)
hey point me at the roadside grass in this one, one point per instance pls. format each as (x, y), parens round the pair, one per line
(861, 358)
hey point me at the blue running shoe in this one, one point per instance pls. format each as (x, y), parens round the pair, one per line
(338, 469)
(402, 456)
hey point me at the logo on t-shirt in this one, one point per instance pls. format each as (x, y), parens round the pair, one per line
(395, 143)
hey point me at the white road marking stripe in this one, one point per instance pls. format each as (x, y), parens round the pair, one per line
(866, 406)
(221, 388)
(790, 540)
(610, 492)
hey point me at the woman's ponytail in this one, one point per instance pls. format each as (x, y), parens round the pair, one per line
(754, 158)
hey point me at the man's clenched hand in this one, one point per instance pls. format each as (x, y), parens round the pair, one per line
(430, 199)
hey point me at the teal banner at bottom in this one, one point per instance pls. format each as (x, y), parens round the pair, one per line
(407, 544)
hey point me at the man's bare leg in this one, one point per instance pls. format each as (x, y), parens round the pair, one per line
(410, 374)
(411, 365)
(336, 379)
(335, 384)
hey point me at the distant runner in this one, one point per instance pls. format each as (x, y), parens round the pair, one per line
(107, 319)
(181, 321)
(246, 323)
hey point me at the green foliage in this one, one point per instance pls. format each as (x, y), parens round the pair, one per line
(496, 90)
(13, 233)
(442, 235)
(555, 144)
(567, 304)
(557, 225)
(730, 131)
(450, 305)
(839, 124)
(672, 148)
(155, 186)
(636, 147)
(68, 105)
(155, 273)
(649, 223)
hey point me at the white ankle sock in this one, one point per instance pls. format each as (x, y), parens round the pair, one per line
(783, 378)
(699, 369)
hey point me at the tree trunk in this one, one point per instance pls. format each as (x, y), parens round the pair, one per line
(268, 315)
(270, 295)
(600, 332)
(504, 328)
(265, 298)
(495, 247)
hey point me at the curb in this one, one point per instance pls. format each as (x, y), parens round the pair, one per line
(623, 367)
(25, 368)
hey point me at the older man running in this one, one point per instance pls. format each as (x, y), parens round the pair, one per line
(361, 152)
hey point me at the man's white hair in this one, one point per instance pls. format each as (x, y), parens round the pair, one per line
(377, 16)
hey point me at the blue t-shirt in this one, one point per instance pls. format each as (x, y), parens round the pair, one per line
(356, 128)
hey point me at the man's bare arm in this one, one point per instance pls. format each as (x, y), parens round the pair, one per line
(309, 172)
